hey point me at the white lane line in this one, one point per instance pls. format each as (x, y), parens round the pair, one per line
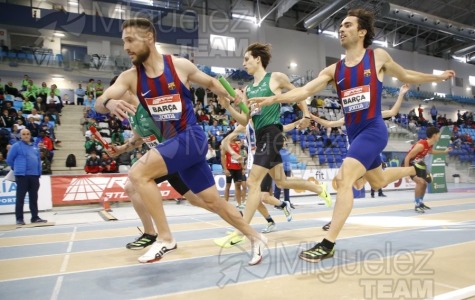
(64, 266)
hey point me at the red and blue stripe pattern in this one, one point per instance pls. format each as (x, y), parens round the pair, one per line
(168, 83)
(363, 74)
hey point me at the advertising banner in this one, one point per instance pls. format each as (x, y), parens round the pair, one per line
(437, 163)
(82, 189)
(8, 195)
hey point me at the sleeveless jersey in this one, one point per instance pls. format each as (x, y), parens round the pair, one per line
(359, 91)
(268, 115)
(232, 164)
(167, 99)
(420, 156)
(143, 124)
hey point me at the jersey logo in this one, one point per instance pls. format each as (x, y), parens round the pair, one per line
(171, 86)
(367, 73)
(143, 94)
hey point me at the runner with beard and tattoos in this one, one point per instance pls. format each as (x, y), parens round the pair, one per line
(161, 82)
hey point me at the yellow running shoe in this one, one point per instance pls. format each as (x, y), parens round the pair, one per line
(230, 240)
(325, 195)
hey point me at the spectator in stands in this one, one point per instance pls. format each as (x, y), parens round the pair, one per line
(214, 142)
(90, 100)
(11, 90)
(211, 156)
(91, 87)
(92, 145)
(9, 106)
(202, 117)
(420, 111)
(20, 116)
(36, 116)
(80, 93)
(99, 87)
(4, 167)
(43, 92)
(20, 124)
(45, 164)
(16, 134)
(44, 151)
(93, 163)
(108, 164)
(6, 120)
(29, 94)
(32, 127)
(124, 159)
(46, 140)
(24, 83)
(213, 130)
(200, 94)
(27, 106)
(433, 114)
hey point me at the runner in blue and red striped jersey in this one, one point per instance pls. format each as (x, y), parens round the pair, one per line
(358, 79)
(161, 82)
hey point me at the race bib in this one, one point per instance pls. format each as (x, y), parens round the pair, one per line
(165, 108)
(355, 99)
(151, 141)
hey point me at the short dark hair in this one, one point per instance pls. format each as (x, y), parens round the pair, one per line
(141, 23)
(430, 131)
(262, 51)
(365, 21)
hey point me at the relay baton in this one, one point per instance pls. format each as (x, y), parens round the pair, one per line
(231, 92)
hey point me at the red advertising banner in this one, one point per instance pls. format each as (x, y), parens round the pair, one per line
(83, 189)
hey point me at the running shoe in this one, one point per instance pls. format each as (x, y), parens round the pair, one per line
(317, 253)
(258, 248)
(157, 251)
(230, 240)
(287, 212)
(325, 195)
(419, 209)
(269, 228)
(424, 206)
(142, 242)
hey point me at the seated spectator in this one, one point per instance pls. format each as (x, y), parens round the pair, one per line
(11, 90)
(36, 116)
(4, 167)
(27, 106)
(15, 136)
(213, 130)
(45, 164)
(92, 145)
(6, 120)
(44, 151)
(202, 117)
(47, 141)
(20, 116)
(42, 92)
(8, 105)
(33, 127)
(93, 164)
(108, 164)
(40, 106)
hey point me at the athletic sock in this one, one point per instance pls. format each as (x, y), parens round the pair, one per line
(327, 244)
(418, 200)
(269, 219)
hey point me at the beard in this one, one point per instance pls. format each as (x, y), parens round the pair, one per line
(141, 57)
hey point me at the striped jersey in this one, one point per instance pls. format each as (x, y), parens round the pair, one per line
(167, 99)
(359, 91)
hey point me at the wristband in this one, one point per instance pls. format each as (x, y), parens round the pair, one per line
(105, 102)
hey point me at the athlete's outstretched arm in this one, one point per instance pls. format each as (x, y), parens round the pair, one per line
(395, 109)
(408, 76)
(328, 124)
(298, 94)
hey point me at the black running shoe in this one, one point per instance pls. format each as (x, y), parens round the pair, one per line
(424, 206)
(326, 227)
(316, 253)
(419, 209)
(142, 242)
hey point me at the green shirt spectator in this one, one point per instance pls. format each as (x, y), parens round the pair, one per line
(99, 88)
(27, 105)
